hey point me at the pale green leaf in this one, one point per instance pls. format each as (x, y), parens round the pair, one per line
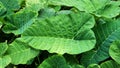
(18, 22)
(114, 51)
(46, 13)
(35, 5)
(109, 64)
(104, 8)
(3, 48)
(110, 10)
(20, 52)
(4, 61)
(55, 61)
(64, 12)
(72, 35)
(82, 5)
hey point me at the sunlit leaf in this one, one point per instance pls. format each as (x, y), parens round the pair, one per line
(56, 35)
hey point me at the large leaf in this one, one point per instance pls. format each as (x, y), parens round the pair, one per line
(109, 64)
(18, 22)
(104, 8)
(4, 61)
(55, 61)
(105, 34)
(20, 52)
(72, 35)
(114, 51)
(3, 48)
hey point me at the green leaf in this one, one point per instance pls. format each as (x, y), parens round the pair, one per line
(46, 13)
(2, 9)
(20, 52)
(93, 66)
(11, 5)
(110, 10)
(105, 35)
(72, 35)
(109, 64)
(105, 8)
(114, 51)
(86, 57)
(35, 5)
(77, 66)
(72, 61)
(55, 61)
(0, 24)
(64, 12)
(4, 61)
(18, 22)
(3, 48)
(82, 5)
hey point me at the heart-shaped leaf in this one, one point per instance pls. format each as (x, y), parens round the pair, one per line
(62, 34)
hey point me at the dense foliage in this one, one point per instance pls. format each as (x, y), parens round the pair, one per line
(59, 33)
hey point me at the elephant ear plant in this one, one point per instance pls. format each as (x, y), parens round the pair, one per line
(59, 33)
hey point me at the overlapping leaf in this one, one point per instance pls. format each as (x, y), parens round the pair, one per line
(11, 5)
(4, 61)
(110, 10)
(55, 61)
(105, 34)
(2, 9)
(46, 13)
(62, 34)
(109, 64)
(93, 66)
(114, 51)
(3, 48)
(73, 63)
(21, 53)
(82, 5)
(35, 5)
(86, 57)
(105, 8)
(18, 22)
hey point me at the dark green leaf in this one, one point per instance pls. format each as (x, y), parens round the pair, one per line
(19, 22)
(55, 61)
(109, 64)
(105, 34)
